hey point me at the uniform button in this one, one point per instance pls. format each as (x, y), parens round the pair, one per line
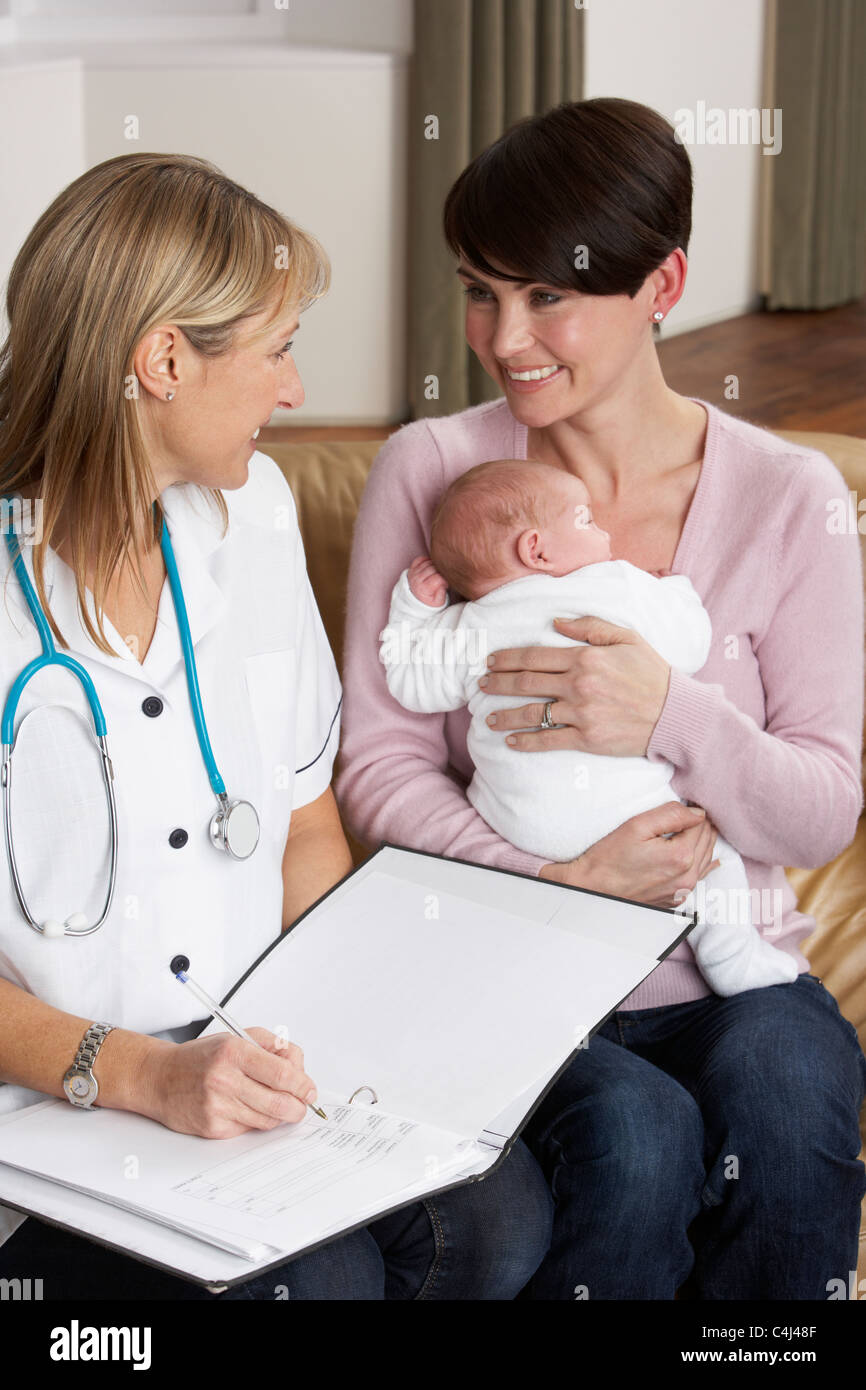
(177, 839)
(152, 706)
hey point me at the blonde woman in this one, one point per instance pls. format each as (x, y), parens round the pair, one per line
(151, 310)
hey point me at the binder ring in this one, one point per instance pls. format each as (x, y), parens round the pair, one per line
(375, 1100)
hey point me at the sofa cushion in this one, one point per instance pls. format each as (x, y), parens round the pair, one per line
(327, 479)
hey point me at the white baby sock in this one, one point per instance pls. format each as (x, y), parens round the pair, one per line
(731, 953)
(733, 958)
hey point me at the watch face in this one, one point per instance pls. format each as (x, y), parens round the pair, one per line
(79, 1087)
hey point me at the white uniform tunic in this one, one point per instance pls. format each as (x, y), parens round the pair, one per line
(271, 698)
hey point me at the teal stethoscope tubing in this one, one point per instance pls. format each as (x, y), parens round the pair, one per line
(217, 783)
(51, 657)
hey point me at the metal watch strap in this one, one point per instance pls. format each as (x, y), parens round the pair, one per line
(82, 1067)
(90, 1045)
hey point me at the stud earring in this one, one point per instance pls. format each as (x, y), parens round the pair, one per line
(658, 315)
(169, 396)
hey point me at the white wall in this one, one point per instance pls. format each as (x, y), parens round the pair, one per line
(41, 147)
(386, 25)
(320, 135)
(670, 54)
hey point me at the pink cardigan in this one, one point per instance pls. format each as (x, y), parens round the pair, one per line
(767, 737)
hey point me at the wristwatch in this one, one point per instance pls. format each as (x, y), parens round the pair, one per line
(79, 1083)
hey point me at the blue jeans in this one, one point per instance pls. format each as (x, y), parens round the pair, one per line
(480, 1241)
(716, 1139)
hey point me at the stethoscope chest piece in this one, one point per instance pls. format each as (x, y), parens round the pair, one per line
(235, 828)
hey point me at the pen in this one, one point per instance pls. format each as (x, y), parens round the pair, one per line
(178, 967)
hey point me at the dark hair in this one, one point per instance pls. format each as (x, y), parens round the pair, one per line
(606, 174)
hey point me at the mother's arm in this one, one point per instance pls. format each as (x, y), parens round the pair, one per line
(393, 783)
(790, 793)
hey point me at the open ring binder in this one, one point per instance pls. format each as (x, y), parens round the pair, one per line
(374, 1101)
(542, 965)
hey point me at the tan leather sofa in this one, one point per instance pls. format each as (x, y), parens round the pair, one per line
(327, 479)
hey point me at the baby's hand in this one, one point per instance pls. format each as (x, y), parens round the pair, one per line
(426, 583)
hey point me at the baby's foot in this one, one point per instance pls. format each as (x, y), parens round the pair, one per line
(733, 958)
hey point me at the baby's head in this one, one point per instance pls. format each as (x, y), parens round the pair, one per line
(512, 517)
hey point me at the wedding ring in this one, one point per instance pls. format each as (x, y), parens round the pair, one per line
(547, 722)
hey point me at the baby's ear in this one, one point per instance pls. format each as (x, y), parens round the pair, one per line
(528, 548)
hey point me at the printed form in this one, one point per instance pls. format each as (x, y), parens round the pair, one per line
(282, 1188)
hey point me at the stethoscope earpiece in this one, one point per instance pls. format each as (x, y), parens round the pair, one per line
(52, 928)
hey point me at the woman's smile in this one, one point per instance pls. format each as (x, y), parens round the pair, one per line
(532, 378)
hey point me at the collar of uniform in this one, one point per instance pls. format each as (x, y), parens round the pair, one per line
(195, 529)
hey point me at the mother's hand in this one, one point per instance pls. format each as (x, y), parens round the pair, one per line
(638, 861)
(608, 695)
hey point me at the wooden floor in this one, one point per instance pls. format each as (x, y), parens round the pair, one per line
(795, 371)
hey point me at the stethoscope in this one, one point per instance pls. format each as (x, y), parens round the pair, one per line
(234, 828)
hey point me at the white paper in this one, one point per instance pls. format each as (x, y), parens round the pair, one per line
(284, 1188)
(447, 1011)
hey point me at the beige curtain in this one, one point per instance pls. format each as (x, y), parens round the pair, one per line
(817, 183)
(479, 66)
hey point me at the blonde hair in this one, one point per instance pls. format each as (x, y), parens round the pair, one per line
(136, 241)
(480, 513)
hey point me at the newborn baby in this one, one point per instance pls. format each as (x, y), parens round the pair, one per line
(517, 539)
